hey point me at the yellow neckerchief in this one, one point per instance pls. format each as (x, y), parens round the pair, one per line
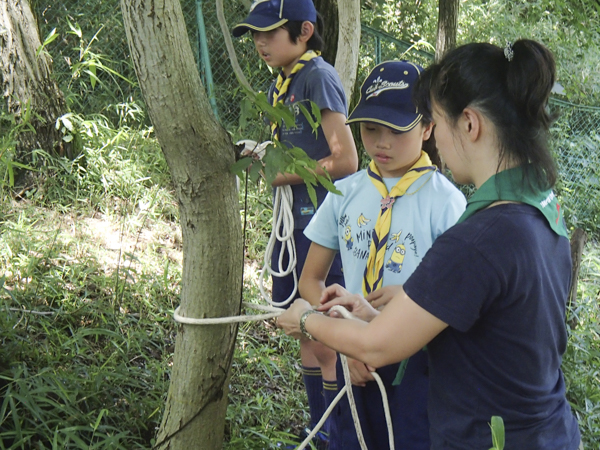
(283, 83)
(373, 277)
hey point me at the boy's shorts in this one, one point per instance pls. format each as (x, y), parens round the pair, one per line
(283, 286)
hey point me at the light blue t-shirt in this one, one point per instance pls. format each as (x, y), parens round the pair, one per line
(431, 205)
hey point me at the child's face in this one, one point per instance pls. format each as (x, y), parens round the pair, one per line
(393, 151)
(276, 48)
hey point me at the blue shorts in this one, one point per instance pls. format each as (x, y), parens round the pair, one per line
(283, 286)
(408, 408)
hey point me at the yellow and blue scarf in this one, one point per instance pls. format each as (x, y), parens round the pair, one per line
(373, 277)
(283, 83)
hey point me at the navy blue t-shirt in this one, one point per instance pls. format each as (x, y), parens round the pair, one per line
(500, 281)
(320, 83)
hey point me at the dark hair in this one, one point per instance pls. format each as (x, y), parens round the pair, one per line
(295, 30)
(513, 94)
(429, 146)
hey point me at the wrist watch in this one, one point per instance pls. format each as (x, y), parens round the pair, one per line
(303, 317)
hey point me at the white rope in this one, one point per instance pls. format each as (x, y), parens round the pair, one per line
(274, 312)
(282, 231)
(347, 389)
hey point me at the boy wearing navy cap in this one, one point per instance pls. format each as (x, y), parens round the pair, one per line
(285, 33)
(386, 220)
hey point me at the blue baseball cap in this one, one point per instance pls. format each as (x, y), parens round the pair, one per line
(266, 15)
(386, 96)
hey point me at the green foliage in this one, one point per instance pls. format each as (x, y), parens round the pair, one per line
(497, 427)
(576, 145)
(570, 29)
(8, 141)
(279, 158)
(582, 359)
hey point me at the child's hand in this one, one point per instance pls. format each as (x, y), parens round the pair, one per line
(360, 373)
(382, 296)
(333, 291)
(354, 303)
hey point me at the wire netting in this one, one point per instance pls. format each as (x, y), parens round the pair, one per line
(575, 135)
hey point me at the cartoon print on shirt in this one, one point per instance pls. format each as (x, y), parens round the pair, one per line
(348, 237)
(394, 264)
(362, 220)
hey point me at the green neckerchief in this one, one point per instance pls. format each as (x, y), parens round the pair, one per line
(509, 185)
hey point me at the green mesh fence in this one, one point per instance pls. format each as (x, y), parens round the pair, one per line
(575, 136)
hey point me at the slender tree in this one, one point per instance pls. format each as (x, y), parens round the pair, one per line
(26, 82)
(199, 153)
(447, 26)
(341, 33)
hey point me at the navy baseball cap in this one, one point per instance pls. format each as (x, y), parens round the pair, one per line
(386, 96)
(266, 15)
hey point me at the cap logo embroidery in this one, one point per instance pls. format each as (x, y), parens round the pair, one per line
(380, 86)
(255, 4)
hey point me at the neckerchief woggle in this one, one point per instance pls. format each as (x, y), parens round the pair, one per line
(373, 276)
(510, 185)
(283, 83)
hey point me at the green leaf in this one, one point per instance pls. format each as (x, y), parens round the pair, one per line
(312, 194)
(255, 172)
(240, 166)
(49, 39)
(497, 427)
(328, 184)
(313, 124)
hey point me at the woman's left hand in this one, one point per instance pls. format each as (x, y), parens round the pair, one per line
(289, 321)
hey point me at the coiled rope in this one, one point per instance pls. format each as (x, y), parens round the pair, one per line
(282, 230)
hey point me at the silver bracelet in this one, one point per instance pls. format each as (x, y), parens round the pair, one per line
(303, 317)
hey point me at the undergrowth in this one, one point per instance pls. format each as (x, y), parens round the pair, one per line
(90, 270)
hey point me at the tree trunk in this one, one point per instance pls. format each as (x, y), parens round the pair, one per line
(578, 241)
(26, 82)
(447, 25)
(346, 62)
(329, 12)
(341, 33)
(199, 153)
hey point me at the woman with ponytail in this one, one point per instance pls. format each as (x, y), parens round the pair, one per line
(489, 297)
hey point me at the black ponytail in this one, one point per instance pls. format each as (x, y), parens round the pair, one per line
(512, 90)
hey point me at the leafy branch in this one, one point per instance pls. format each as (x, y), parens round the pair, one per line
(278, 158)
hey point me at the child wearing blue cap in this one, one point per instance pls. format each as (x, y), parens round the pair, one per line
(386, 220)
(286, 36)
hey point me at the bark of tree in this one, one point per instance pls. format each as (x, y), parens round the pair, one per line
(447, 26)
(199, 153)
(341, 33)
(578, 241)
(346, 61)
(329, 12)
(26, 82)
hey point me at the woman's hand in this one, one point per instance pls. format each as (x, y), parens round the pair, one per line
(360, 373)
(354, 303)
(382, 296)
(289, 321)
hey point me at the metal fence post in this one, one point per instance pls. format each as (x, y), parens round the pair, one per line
(204, 59)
